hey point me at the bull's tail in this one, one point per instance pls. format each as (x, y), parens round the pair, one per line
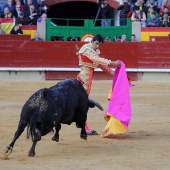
(32, 126)
(93, 103)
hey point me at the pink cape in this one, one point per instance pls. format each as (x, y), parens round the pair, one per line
(119, 105)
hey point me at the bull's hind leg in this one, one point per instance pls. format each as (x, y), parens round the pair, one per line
(36, 136)
(21, 126)
(56, 135)
(31, 152)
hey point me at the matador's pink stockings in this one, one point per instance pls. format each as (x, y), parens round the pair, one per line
(87, 128)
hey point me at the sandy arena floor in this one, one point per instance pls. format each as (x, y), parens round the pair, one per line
(146, 145)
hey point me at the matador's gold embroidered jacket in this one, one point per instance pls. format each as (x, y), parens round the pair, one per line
(89, 59)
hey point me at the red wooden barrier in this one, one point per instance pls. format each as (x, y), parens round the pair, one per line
(160, 39)
(7, 37)
(25, 53)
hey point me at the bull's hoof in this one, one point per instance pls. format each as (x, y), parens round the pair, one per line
(55, 139)
(8, 151)
(31, 153)
(83, 137)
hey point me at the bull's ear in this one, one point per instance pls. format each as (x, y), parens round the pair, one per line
(44, 93)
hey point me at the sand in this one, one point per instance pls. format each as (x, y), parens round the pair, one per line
(146, 144)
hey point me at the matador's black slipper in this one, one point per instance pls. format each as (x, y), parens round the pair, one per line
(92, 133)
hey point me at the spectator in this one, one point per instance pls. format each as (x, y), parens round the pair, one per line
(9, 5)
(37, 37)
(17, 11)
(10, 15)
(5, 12)
(14, 2)
(142, 6)
(124, 9)
(60, 39)
(153, 6)
(32, 14)
(18, 2)
(117, 39)
(165, 21)
(153, 21)
(16, 30)
(165, 11)
(160, 3)
(2, 2)
(133, 38)
(27, 7)
(43, 18)
(73, 39)
(1, 30)
(164, 3)
(27, 3)
(21, 20)
(132, 4)
(106, 39)
(150, 10)
(23, 2)
(43, 7)
(138, 16)
(105, 13)
(35, 3)
(123, 38)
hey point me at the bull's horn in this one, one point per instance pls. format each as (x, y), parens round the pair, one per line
(96, 104)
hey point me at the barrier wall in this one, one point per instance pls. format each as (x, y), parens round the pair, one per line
(163, 39)
(59, 60)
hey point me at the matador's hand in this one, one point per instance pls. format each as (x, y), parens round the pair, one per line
(118, 63)
(115, 63)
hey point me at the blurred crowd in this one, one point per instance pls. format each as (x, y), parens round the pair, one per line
(150, 13)
(25, 12)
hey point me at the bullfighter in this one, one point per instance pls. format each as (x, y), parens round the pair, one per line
(89, 59)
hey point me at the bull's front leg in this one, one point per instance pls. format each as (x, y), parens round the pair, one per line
(56, 135)
(83, 134)
(80, 123)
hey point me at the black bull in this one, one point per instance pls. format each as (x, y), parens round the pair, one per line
(66, 102)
